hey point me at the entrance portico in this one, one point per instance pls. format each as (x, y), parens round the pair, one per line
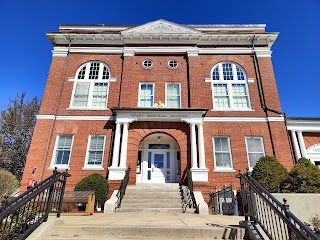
(159, 162)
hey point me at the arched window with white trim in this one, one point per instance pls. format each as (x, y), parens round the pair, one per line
(91, 86)
(229, 87)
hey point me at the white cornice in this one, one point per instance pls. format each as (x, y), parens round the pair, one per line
(304, 125)
(72, 117)
(207, 39)
(131, 51)
(243, 119)
(205, 119)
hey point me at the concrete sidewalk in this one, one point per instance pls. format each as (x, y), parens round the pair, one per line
(140, 225)
(182, 220)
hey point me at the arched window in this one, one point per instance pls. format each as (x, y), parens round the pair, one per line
(229, 87)
(91, 86)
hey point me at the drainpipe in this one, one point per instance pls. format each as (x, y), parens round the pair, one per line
(57, 108)
(264, 106)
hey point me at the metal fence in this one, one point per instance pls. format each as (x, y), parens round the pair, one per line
(20, 216)
(274, 218)
(223, 201)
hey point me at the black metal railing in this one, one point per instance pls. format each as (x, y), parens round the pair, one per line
(123, 187)
(222, 201)
(20, 216)
(188, 196)
(274, 218)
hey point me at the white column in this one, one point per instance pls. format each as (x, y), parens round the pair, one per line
(295, 145)
(194, 161)
(124, 145)
(202, 158)
(302, 145)
(116, 146)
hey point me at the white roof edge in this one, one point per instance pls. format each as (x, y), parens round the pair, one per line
(203, 27)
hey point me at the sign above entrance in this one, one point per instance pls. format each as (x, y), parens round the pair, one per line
(314, 149)
(156, 114)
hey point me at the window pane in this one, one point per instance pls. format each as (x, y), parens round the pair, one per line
(215, 74)
(106, 73)
(99, 98)
(63, 149)
(255, 149)
(96, 147)
(240, 74)
(81, 94)
(221, 98)
(146, 95)
(82, 72)
(173, 95)
(253, 158)
(227, 71)
(240, 98)
(94, 70)
(222, 152)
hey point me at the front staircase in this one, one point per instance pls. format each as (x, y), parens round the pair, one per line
(163, 198)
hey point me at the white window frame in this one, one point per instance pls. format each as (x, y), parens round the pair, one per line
(60, 166)
(262, 145)
(92, 83)
(94, 167)
(217, 168)
(153, 88)
(179, 83)
(229, 84)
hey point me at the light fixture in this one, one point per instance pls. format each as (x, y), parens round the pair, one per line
(159, 138)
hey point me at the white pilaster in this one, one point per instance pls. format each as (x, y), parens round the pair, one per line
(194, 162)
(202, 159)
(302, 145)
(124, 145)
(116, 146)
(295, 145)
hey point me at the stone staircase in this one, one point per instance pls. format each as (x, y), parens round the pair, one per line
(162, 198)
(141, 225)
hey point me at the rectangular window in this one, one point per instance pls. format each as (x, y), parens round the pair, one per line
(221, 96)
(173, 95)
(240, 96)
(63, 150)
(255, 149)
(95, 150)
(146, 95)
(222, 153)
(81, 94)
(99, 96)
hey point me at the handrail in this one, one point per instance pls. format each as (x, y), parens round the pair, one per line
(123, 187)
(20, 216)
(187, 180)
(275, 218)
(220, 201)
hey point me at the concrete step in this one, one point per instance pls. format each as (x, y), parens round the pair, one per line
(134, 232)
(155, 200)
(151, 195)
(151, 209)
(153, 190)
(150, 205)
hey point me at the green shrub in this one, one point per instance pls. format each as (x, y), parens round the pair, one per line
(97, 183)
(8, 183)
(269, 172)
(304, 177)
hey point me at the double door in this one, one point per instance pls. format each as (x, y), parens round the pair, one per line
(158, 166)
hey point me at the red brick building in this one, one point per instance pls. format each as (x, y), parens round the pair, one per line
(159, 97)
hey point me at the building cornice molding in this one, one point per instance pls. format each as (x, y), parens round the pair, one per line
(205, 39)
(191, 51)
(140, 111)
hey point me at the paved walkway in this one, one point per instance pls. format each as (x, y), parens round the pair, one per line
(182, 220)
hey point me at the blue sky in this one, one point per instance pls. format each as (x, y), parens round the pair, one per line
(26, 51)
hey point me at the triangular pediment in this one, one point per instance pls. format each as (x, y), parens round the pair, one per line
(160, 27)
